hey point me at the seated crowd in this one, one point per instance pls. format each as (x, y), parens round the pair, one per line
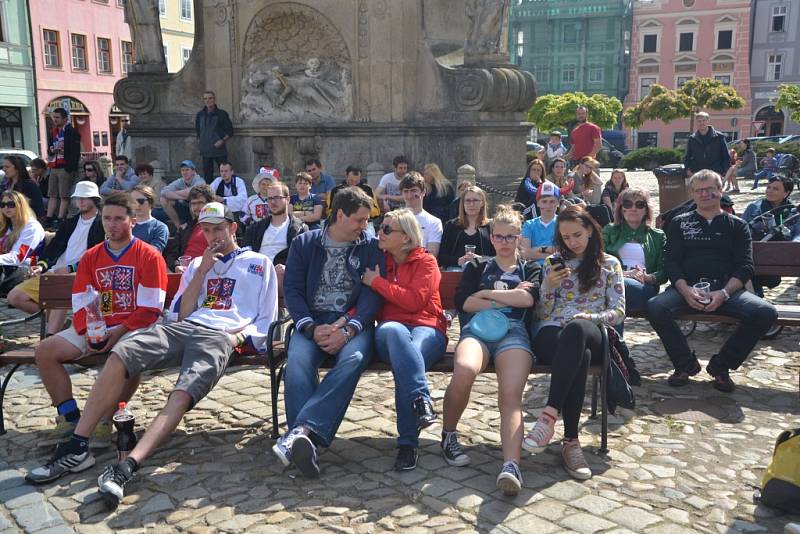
(551, 277)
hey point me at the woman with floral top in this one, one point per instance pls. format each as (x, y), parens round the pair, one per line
(582, 290)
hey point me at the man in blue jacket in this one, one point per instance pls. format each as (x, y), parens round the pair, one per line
(333, 313)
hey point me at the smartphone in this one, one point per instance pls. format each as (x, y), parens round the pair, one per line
(558, 263)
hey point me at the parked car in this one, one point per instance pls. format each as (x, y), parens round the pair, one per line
(530, 146)
(26, 155)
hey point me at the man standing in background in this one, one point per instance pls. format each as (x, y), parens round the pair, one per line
(213, 128)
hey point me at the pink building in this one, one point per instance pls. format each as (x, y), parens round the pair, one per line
(80, 49)
(673, 41)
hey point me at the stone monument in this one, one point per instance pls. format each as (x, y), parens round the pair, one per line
(349, 81)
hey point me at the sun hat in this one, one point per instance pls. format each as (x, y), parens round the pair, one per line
(86, 189)
(265, 173)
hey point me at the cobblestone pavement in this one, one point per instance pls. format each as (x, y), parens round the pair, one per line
(683, 461)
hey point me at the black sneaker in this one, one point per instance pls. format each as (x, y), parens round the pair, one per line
(681, 376)
(451, 450)
(722, 379)
(406, 458)
(423, 409)
(304, 456)
(112, 482)
(60, 464)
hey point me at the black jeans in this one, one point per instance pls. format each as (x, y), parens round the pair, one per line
(755, 316)
(569, 351)
(211, 166)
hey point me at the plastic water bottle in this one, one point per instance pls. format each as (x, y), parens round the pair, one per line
(95, 324)
(126, 438)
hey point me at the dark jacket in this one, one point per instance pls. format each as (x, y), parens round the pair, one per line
(211, 126)
(72, 148)
(707, 152)
(438, 206)
(177, 244)
(31, 190)
(304, 270)
(255, 235)
(58, 245)
(452, 248)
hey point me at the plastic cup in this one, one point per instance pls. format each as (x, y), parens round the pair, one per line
(769, 220)
(184, 261)
(469, 249)
(703, 291)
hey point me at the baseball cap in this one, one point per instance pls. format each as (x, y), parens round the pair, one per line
(215, 213)
(548, 189)
(187, 163)
(86, 189)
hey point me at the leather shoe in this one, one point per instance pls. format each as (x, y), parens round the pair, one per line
(406, 458)
(680, 377)
(423, 409)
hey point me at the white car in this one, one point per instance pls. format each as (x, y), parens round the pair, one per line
(26, 155)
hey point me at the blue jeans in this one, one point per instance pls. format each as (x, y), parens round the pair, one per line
(636, 296)
(764, 173)
(320, 406)
(410, 350)
(755, 316)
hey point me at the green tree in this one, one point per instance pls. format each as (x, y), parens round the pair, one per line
(551, 112)
(789, 100)
(669, 104)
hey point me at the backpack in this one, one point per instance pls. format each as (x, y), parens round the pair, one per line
(780, 487)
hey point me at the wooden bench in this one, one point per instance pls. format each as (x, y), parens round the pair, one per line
(56, 291)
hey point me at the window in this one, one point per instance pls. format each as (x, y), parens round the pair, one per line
(162, 8)
(650, 44)
(186, 53)
(644, 87)
(570, 34)
(686, 42)
(120, 3)
(520, 37)
(103, 55)
(186, 9)
(724, 78)
(127, 56)
(682, 80)
(2, 32)
(78, 51)
(774, 67)
(596, 74)
(779, 18)
(568, 73)
(52, 52)
(542, 73)
(725, 40)
(166, 56)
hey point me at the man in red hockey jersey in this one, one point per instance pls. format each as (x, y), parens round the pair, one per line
(131, 278)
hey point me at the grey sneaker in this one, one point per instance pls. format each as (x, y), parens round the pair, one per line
(60, 464)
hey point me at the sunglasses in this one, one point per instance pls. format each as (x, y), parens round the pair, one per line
(505, 238)
(387, 230)
(140, 201)
(640, 204)
(7, 205)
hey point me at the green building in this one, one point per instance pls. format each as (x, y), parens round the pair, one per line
(17, 101)
(573, 45)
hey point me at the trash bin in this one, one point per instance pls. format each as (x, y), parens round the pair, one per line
(672, 188)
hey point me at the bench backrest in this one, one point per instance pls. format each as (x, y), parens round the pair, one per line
(777, 258)
(55, 290)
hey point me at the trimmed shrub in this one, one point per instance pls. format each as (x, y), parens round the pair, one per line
(651, 157)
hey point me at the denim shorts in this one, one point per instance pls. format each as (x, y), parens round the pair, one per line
(516, 338)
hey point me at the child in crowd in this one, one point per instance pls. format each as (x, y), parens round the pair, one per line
(257, 206)
(538, 235)
(769, 164)
(306, 206)
(555, 148)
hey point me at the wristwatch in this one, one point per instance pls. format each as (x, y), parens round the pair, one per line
(725, 292)
(308, 330)
(347, 336)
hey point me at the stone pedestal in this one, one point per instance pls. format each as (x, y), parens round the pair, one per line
(354, 82)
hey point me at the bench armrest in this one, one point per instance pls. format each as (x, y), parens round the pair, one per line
(273, 359)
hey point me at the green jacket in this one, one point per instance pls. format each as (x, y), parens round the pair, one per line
(653, 242)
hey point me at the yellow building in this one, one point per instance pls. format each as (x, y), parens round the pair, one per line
(177, 31)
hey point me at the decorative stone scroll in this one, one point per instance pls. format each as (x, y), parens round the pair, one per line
(297, 67)
(497, 89)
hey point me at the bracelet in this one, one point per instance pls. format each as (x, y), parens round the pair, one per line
(725, 292)
(347, 336)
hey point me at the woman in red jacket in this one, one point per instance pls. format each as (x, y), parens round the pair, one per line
(412, 328)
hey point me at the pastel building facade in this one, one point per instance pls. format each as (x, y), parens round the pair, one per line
(177, 31)
(774, 60)
(673, 41)
(17, 97)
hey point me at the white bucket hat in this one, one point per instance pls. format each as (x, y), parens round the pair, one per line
(265, 173)
(86, 189)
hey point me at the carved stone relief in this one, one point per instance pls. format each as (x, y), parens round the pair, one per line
(486, 42)
(297, 67)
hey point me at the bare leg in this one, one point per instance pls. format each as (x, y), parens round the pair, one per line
(62, 208)
(52, 205)
(162, 426)
(21, 301)
(56, 320)
(131, 385)
(105, 393)
(513, 367)
(169, 209)
(51, 355)
(470, 359)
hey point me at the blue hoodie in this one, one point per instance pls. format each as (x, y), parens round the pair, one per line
(304, 269)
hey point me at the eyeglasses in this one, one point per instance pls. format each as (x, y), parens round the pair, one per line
(387, 230)
(7, 205)
(705, 190)
(275, 199)
(640, 204)
(140, 201)
(472, 201)
(505, 238)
